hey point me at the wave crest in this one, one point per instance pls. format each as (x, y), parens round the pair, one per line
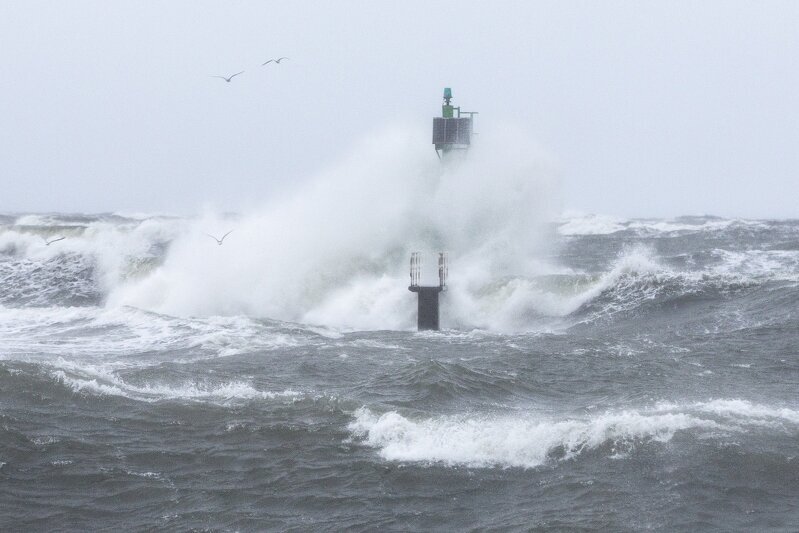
(530, 441)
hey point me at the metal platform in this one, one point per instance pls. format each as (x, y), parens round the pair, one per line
(428, 315)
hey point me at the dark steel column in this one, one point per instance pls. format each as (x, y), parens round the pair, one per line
(427, 311)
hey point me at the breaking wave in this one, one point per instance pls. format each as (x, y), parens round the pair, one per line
(112, 385)
(530, 441)
(334, 252)
(125, 331)
(576, 224)
(105, 379)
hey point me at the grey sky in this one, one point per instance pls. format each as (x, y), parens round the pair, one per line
(650, 109)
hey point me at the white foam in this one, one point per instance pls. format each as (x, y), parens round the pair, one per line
(666, 226)
(150, 475)
(110, 384)
(359, 293)
(745, 411)
(576, 224)
(756, 265)
(632, 265)
(637, 276)
(35, 220)
(335, 251)
(92, 332)
(529, 441)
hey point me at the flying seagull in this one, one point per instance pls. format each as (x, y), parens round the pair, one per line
(230, 77)
(48, 243)
(278, 60)
(220, 241)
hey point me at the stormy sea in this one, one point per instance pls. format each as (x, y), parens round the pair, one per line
(592, 373)
(648, 380)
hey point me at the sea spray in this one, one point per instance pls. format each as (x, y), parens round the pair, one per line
(335, 253)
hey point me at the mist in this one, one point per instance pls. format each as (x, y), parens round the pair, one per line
(645, 109)
(335, 252)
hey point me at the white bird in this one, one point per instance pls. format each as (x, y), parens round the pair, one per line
(220, 241)
(48, 243)
(278, 60)
(227, 79)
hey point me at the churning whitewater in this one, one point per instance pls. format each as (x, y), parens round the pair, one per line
(593, 373)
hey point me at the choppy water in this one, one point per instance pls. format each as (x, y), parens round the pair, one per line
(640, 375)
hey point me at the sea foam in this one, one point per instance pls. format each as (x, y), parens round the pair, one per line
(531, 440)
(335, 251)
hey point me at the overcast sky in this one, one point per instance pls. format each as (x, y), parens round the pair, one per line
(649, 109)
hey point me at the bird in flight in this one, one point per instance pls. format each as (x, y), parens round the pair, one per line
(48, 243)
(227, 79)
(278, 60)
(220, 241)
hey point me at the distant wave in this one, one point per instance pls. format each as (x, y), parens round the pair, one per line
(591, 224)
(192, 391)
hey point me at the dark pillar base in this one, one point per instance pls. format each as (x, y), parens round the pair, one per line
(427, 317)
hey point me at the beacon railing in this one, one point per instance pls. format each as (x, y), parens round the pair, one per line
(443, 269)
(416, 269)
